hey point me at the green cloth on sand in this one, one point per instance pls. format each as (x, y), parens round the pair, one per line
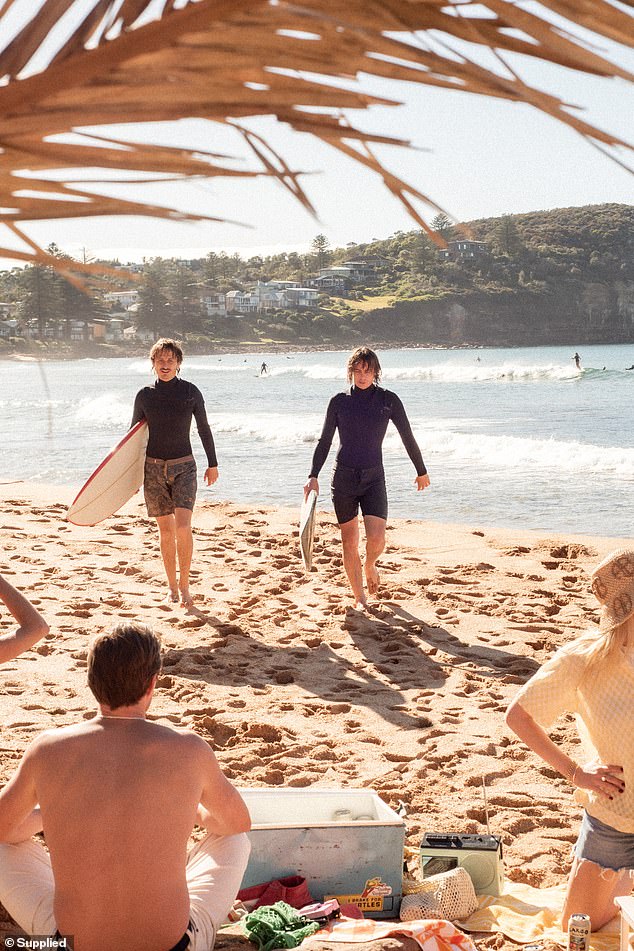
(277, 926)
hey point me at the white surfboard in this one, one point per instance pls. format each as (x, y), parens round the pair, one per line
(307, 528)
(114, 481)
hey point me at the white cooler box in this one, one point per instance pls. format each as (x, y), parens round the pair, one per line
(346, 843)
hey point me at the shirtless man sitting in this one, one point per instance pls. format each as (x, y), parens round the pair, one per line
(118, 798)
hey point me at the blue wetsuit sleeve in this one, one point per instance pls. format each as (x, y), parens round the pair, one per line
(325, 440)
(138, 413)
(400, 420)
(204, 429)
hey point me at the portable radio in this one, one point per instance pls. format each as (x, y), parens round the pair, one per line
(479, 855)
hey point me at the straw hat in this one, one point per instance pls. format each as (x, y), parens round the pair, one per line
(613, 587)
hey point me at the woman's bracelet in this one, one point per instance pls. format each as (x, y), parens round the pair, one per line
(573, 778)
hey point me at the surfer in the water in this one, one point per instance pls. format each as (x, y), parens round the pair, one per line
(170, 469)
(361, 414)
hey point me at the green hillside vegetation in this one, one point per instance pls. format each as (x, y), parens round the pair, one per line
(564, 276)
(561, 276)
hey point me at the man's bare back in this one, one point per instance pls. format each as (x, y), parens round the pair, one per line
(128, 791)
(118, 798)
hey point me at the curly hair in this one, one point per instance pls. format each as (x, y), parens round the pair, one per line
(166, 343)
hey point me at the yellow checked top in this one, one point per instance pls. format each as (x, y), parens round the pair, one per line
(603, 703)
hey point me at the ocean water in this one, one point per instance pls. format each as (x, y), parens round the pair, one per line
(511, 437)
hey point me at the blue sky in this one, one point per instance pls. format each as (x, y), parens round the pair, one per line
(475, 157)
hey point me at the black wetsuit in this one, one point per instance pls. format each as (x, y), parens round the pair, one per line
(362, 418)
(168, 408)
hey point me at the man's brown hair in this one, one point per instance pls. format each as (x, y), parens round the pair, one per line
(367, 357)
(122, 662)
(166, 343)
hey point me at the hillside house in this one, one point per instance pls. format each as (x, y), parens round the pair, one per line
(139, 335)
(361, 270)
(464, 248)
(268, 297)
(330, 282)
(241, 302)
(121, 300)
(301, 296)
(213, 304)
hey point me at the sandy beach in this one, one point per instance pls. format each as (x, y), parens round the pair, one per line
(290, 686)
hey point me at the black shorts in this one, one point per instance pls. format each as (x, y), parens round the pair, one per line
(352, 488)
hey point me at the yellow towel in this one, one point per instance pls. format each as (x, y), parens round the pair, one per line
(528, 914)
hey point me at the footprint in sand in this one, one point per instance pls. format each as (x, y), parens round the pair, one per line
(284, 677)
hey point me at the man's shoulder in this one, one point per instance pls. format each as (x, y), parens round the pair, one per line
(385, 393)
(159, 736)
(146, 391)
(389, 398)
(187, 385)
(180, 736)
(180, 745)
(54, 738)
(341, 397)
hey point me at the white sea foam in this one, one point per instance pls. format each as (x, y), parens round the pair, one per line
(480, 373)
(106, 410)
(275, 428)
(441, 372)
(140, 366)
(444, 444)
(37, 404)
(320, 371)
(507, 453)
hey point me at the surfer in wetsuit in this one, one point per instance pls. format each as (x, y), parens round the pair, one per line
(361, 415)
(169, 483)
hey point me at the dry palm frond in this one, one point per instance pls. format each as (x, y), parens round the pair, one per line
(138, 61)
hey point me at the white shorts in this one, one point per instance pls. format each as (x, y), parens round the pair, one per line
(214, 871)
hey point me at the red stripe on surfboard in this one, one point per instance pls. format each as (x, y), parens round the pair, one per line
(128, 435)
(92, 502)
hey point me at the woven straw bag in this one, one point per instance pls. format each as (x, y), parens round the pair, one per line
(449, 895)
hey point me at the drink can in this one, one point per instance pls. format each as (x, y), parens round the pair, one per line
(578, 933)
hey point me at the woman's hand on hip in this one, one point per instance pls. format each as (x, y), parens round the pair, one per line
(597, 777)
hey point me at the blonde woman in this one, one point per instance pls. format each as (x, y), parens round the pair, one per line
(593, 677)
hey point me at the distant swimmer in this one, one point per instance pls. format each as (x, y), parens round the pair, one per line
(628, 368)
(577, 360)
(263, 369)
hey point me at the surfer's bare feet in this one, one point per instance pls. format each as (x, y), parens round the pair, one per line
(372, 578)
(360, 606)
(186, 598)
(171, 597)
